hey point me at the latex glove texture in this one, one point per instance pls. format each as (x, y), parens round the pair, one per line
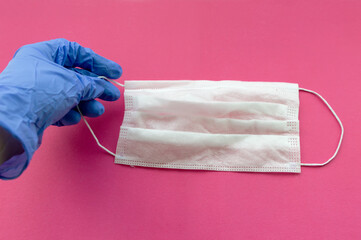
(42, 86)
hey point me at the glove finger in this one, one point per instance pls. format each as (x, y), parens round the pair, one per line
(74, 55)
(97, 88)
(90, 87)
(71, 118)
(91, 108)
(111, 92)
(71, 54)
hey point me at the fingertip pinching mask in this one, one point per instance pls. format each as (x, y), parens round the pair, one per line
(213, 125)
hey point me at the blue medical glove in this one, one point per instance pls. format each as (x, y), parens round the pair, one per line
(41, 86)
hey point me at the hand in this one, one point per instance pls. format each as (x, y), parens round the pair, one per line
(41, 86)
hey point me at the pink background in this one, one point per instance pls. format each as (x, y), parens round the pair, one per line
(73, 190)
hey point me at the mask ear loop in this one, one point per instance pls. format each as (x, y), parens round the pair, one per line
(341, 126)
(87, 124)
(110, 80)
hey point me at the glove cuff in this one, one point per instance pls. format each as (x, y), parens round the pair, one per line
(26, 134)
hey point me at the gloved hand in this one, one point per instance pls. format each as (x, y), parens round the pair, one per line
(41, 86)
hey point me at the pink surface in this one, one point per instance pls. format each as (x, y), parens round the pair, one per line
(73, 190)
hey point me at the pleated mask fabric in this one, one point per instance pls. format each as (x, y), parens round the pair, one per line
(211, 125)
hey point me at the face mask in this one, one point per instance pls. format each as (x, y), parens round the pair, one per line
(212, 125)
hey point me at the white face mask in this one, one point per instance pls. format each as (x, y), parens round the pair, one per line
(212, 125)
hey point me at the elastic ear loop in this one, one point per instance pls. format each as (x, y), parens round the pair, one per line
(87, 124)
(341, 136)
